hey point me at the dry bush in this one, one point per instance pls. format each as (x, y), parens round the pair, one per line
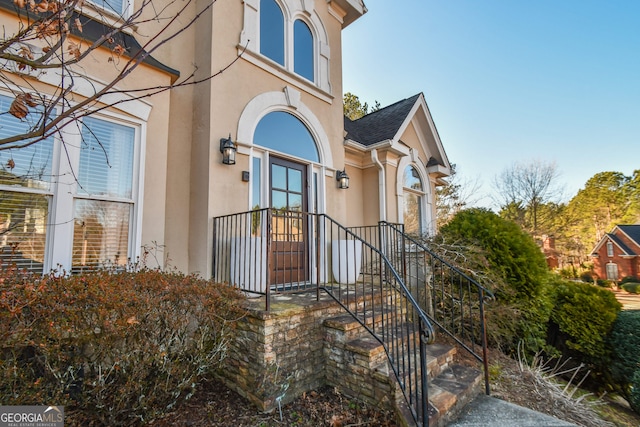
(112, 347)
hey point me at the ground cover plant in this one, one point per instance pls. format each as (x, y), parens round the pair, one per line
(114, 348)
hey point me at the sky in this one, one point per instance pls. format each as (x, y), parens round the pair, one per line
(509, 81)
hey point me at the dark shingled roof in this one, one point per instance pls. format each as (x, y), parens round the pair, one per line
(633, 231)
(620, 243)
(380, 125)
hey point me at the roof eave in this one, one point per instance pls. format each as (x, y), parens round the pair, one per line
(353, 9)
(391, 145)
(439, 171)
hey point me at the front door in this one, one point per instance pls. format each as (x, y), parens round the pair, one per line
(288, 198)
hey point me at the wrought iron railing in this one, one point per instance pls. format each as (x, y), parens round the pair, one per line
(452, 300)
(266, 251)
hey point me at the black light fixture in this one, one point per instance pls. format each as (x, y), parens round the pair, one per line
(343, 179)
(228, 150)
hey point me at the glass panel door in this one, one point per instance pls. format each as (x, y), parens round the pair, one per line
(289, 252)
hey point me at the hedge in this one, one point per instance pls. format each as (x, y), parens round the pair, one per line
(113, 348)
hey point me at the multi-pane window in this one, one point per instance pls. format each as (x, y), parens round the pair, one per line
(413, 195)
(70, 205)
(609, 249)
(274, 37)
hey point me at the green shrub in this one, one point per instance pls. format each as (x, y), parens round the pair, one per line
(586, 277)
(113, 348)
(608, 284)
(624, 342)
(515, 270)
(585, 315)
(628, 279)
(634, 398)
(632, 287)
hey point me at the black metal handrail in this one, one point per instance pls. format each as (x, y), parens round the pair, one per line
(265, 251)
(452, 300)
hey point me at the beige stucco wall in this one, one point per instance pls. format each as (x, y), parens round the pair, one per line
(203, 114)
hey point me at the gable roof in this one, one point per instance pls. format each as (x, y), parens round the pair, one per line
(631, 231)
(380, 125)
(388, 124)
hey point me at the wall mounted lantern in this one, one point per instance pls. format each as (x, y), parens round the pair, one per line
(343, 179)
(228, 150)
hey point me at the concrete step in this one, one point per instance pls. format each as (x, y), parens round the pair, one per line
(451, 391)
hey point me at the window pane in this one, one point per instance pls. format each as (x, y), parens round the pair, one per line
(272, 31)
(278, 177)
(279, 199)
(295, 180)
(412, 179)
(412, 213)
(115, 6)
(29, 166)
(283, 132)
(302, 50)
(100, 234)
(295, 202)
(23, 229)
(106, 159)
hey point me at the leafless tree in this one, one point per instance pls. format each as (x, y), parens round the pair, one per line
(457, 194)
(526, 187)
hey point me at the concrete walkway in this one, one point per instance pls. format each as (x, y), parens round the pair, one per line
(628, 301)
(486, 411)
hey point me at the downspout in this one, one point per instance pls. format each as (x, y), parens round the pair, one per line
(382, 185)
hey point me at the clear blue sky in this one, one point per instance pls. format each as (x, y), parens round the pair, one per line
(509, 80)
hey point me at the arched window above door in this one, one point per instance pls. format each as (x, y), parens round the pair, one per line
(284, 133)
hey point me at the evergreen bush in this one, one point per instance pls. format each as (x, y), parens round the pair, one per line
(634, 398)
(632, 287)
(517, 272)
(584, 315)
(624, 342)
(113, 348)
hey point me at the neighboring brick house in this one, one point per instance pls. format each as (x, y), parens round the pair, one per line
(617, 254)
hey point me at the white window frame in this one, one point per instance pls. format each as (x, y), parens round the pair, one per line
(292, 10)
(612, 267)
(427, 222)
(63, 192)
(610, 249)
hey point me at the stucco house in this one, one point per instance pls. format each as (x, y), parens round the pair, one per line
(255, 178)
(617, 254)
(281, 106)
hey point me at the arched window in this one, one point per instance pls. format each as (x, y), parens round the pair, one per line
(413, 197)
(272, 31)
(285, 133)
(303, 50)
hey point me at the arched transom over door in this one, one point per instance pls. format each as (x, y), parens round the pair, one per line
(285, 137)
